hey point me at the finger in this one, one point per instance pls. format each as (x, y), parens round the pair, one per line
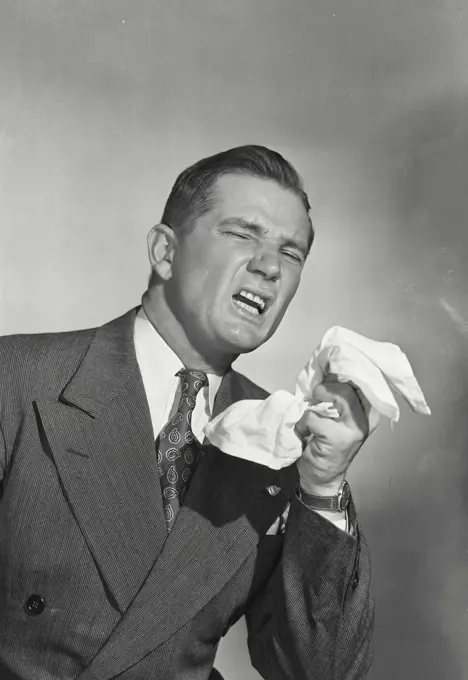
(342, 395)
(342, 380)
(309, 425)
(331, 377)
(335, 378)
(372, 415)
(363, 400)
(347, 402)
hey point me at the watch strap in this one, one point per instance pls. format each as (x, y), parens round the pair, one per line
(337, 503)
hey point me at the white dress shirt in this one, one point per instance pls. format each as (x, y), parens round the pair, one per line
(158, 367)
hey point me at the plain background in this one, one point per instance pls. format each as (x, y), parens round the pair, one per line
(104, 102)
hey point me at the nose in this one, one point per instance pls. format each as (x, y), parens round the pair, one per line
(266, 263)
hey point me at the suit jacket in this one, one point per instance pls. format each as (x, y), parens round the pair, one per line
(91, 585)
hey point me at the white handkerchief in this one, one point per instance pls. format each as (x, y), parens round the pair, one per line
(262, 431)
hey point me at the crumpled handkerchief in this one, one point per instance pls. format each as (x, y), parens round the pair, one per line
(262, 431)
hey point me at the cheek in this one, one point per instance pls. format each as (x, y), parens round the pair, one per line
(291, 282)
(217, 273)
(188, 273)
(288, 290)
(199, 283)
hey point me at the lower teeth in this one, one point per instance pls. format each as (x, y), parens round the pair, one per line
(250, 309)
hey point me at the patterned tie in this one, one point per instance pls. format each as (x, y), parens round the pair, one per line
(178, 450)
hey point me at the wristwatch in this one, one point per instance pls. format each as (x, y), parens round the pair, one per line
(338, 503)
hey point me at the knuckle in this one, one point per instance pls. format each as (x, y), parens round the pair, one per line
(323, 391)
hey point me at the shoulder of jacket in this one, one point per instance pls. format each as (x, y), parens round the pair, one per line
(251, 389)
(28, 359)
(37, 345)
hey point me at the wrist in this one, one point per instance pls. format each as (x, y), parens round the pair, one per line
(322, 488)
(334, 502)
(332, 515)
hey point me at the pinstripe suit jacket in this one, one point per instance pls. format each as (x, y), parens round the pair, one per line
(82, 526)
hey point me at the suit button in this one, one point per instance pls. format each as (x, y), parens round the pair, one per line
(355, 580)
(273, 490)
(34, 605)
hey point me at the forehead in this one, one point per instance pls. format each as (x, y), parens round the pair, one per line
(262, 201)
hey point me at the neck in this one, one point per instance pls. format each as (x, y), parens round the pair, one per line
(174, 335)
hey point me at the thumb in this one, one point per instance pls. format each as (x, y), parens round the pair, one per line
(321, 393)
(342, 395)
(309, 425)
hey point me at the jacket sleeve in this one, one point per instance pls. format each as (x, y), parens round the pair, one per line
(314, 618)
(2, 459)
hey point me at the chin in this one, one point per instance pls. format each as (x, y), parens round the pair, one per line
(245, 349)
(241, 342)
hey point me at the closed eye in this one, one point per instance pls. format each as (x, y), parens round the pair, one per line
(238, 234)
(294, 256)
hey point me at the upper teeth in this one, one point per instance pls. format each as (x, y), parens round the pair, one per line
(256, 298)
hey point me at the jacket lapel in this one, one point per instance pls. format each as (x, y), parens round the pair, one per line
(100, 436)
(226, 511)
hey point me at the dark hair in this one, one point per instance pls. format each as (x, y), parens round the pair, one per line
(191, 196)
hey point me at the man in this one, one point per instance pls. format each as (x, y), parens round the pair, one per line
(128, 549)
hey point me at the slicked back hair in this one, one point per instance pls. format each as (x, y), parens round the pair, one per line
(192, 194)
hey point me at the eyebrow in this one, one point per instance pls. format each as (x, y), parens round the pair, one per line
(256, 229)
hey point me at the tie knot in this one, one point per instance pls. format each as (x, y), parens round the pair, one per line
(191, 381)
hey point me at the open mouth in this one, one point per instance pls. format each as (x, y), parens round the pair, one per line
(250, 302)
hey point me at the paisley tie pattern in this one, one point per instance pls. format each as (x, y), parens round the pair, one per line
(177, 449)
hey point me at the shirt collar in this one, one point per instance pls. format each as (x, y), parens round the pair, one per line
(158, 361)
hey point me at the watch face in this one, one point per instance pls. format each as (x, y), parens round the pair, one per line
(345, 496)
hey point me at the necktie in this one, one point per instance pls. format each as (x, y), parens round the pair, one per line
(177, 448)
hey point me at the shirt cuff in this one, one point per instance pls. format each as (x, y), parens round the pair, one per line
(341, 520)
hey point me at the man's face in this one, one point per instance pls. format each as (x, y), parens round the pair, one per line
(235, 273)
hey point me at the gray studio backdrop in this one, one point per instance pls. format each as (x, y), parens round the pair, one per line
(102, 103)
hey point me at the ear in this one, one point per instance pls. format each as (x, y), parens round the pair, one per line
(162, 244)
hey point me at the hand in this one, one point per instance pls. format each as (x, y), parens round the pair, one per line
(331, 444)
